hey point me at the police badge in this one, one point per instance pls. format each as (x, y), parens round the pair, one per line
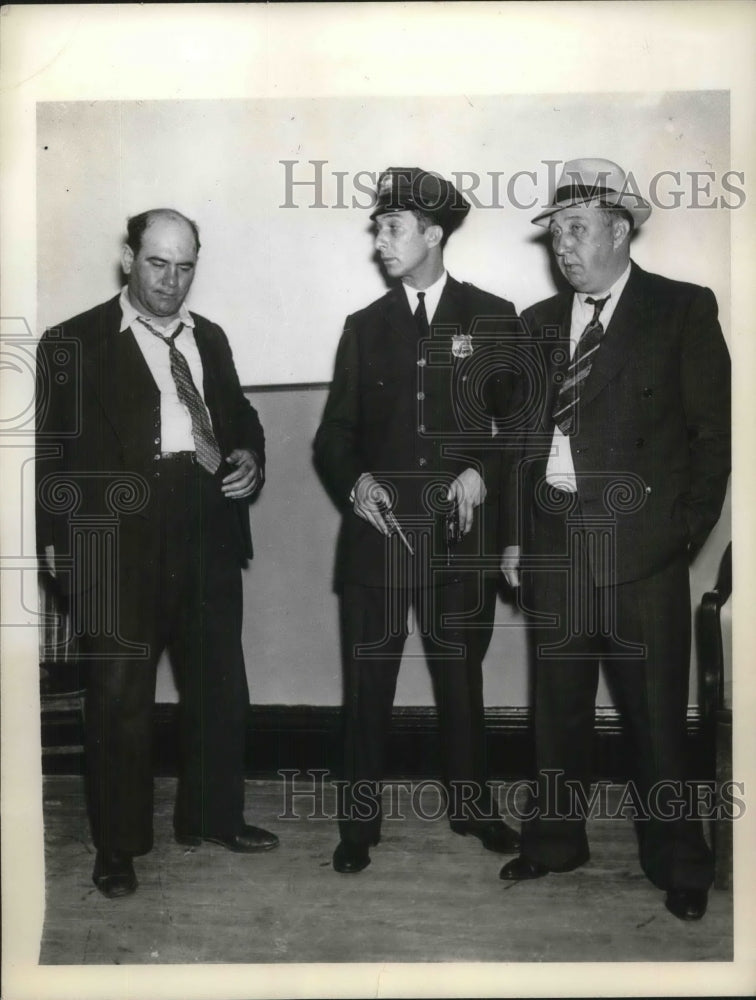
(462, 345)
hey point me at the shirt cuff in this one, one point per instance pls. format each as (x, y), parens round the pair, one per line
(357, 483)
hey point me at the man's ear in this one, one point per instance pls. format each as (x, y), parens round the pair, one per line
(127, 258)
(620, 232)
(433, 235)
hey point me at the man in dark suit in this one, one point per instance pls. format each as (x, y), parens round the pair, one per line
(147, 456)
(405, 446)
(623, 473)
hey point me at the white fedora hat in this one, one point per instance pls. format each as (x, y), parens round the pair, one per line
(595, 182)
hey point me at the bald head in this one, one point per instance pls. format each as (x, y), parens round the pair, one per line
(137, 225)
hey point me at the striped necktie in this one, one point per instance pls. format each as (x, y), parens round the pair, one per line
(566, 404)
(208, 452)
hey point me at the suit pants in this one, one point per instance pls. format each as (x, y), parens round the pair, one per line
(641, 632)
(456, 621)
(186, 597)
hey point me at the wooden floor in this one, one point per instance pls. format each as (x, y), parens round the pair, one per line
(428, 895)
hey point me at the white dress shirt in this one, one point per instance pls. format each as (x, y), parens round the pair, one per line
(175, 420)
(560, 470)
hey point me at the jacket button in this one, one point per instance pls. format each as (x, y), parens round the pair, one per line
(639, 442)
(421, 395)
(156, 441)
(422, 461)
(422, 363)
(648, 489)
(157, 457)
(421, 428)
(648, 391)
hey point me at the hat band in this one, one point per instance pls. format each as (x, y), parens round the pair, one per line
(581, 192)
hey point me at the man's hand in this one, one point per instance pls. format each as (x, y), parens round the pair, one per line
(369, 498)
(245, 478)
(510, 565)
(468, 492)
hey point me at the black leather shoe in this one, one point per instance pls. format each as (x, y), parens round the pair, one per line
(687, 904)
(351, 858)
(114, 875)
(249, 840)
(520, 868)
(494, 835)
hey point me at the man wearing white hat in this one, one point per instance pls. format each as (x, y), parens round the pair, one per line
(622, 474)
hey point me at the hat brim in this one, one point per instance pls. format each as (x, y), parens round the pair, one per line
(393, 207)
(449, 220)
(636, 206)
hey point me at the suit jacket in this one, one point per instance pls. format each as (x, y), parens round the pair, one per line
(415, 414)
(652, 444)
(98, 424)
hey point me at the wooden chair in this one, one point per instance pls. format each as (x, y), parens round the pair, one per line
(61, 684)
(714, 635)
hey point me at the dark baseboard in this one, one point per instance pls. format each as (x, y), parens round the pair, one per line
(302, 737)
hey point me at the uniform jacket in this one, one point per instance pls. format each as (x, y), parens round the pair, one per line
(415, 414)
(652, 445)
(98, 425)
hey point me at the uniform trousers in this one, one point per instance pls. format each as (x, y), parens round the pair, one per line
(186, 597)
(640, 630)
(455, 620)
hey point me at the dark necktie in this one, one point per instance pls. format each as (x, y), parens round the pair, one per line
(568, 398)
(421, 316)
(208, 452)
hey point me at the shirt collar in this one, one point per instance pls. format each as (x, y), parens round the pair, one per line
(130, 315)
(432, 295)
(613, 292)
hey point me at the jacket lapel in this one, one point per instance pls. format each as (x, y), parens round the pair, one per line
(208, 367)
(446, 374)
(623, 338)
(560, 316)
(451, 307)
(212, 388)
(118, 375)
(400, 319)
